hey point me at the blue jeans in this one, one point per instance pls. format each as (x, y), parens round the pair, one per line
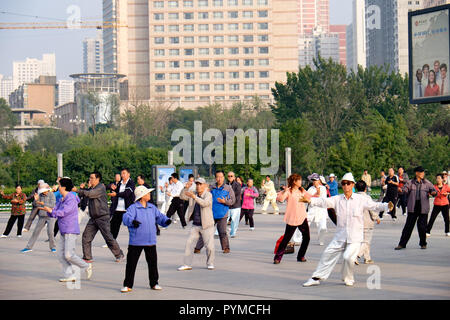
(235, 214)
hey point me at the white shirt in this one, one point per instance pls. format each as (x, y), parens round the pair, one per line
(176, 189)
(323, 194)
(446, 80)
(121, 202)
(350, 214)
(192, 188)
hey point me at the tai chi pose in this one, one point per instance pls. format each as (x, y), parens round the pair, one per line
(317, 214)
(349, 232)
(271, 195)
(200, 213)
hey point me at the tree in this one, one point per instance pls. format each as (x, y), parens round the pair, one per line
(48, 140)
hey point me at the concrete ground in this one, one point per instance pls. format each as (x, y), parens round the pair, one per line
(246, 273)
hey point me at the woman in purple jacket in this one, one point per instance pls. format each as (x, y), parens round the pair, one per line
(66, 211)
(141, 219)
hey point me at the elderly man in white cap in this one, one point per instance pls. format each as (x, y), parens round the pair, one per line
(43, 198)
(349, 232)
(141, 218)
(201, 214)
(34, 209)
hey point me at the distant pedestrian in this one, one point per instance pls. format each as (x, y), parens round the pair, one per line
(34, 209)
(177, 205)
(66, 211)
(18, 210)
(44, 198)
(235, 208)
(249, 194)
(383, 185)
(333, 185)
(317, 214)
(113, 187)
(140, 218)
(271, 195)
(368, 180)
(441, 205)
(402, 198)
(417, 190)
(141, 182)
(392, 182)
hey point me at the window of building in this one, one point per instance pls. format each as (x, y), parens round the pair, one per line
(189, 63)
(248, 38)
(159, 52)
(218, 51)
(234, 87)
(249, 86)
(202, 3)
(174, 28)
(218, 27)
(174, 52)
(203, 39)
(158, 16)
(175, 88)
(234, 75)
(188, 27)
(247, 26)
(158, 28)
(158, 4)
(233, 38)
(189, 98)
(263, 37)
(232, 14)
(203, 27)
(219, 75)
(219, 87)
(188, 15)
(204, 75)
(160, 88)
(189, 87)
(249, 74)
(218, 3)
(219, 98)
(203, 15)
(204, 63)
(247, 14)
(232, 2)
(263, 13)
(188, 39)
(218, 39)
(263, 2)
(188, 52)
(188, 3)
(263, 26)
(264, 86)
(218, 15)
(233, 50)
(263, 62)
(159, 40)
(247, 2)
(204, 87)
(219, 63)
(263, 50)
(160, 76)
(173, 16)
(249, 62)
(233, 63)
(233, 26)
(174, 76)
(189, 75)
(173, 4)
(203, 51)
(174, 64)
(264, 74)
(174, 40)
(249, 50)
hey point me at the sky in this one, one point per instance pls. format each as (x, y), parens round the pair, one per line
(16, 45)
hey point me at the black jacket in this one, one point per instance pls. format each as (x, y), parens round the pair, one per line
(114, 200)
(127, 195)
(237, 191)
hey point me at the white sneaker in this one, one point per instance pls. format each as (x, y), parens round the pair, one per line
(4, 236)
(24, 230)
(263, 212)
(211, 267)
(19, 236)
(233, 236)
(349, 283)
(276, 212)
(252, 229)
(70, 279)
(311, 282)
(89, 271)
(184, 268)
(174, 221)
(125, 290)
(321, 243)
(447, 234)
(428, 235)
(105, 246)
(156, 287)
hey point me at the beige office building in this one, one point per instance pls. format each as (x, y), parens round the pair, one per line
(434, 3)
(193, 52)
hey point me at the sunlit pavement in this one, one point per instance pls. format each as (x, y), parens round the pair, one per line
(246, 273)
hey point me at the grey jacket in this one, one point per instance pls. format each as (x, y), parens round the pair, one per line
(98, 201)
(237, 193)
(425, 188)
(205, 202)
(369, 216)
(49, 201)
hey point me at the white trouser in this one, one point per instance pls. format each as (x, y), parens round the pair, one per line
(272, 201)
(365, 246)
(67, 255)
(319, 216)
(331, 256)
(208, 240)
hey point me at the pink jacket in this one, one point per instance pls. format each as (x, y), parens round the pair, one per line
(295, 211)
(248, 195)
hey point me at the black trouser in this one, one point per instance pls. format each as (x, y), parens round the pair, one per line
(434, 214)
(332, 215)
(116, 222)
(403, 202)
(248, 213)
(393, 199)
(134, 252)
(222, 229)
(177, 206)
(409, 226)
(20, 219)
(288, 233)
(56, 229)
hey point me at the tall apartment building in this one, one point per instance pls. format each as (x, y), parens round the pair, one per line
(341, 32)
(6, 87)
(31, 69)
(434, 3)
(195, 51)
(93, 54)
(66, 91)
(313, 13)
(319, 43)
(356, 40)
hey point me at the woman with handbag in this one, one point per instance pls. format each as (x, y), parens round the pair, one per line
(295, 217)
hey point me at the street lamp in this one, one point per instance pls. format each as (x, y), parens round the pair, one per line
(52, 117)
(77, 122)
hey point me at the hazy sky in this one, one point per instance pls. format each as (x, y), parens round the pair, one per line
(67, 44)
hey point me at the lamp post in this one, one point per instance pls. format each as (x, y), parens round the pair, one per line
(76, 122)
(53, 118)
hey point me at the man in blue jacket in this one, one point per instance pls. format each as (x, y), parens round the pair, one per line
(223, 198)
(140, 218)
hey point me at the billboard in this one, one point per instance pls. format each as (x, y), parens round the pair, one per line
(161, 175)
(429, 55)
(184, 173)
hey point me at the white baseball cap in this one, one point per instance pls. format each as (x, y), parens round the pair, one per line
(44, 188)
(348, 177)
(200, 180)
(332, 175)
(141, 191)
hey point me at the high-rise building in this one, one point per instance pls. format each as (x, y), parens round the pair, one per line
(66, 91)
(319, 43)
(313, 13)
(195, 52)
(434, 3)
(340, 31)
(6, 87)
(356, 42)
(93, 54)
(31, 69)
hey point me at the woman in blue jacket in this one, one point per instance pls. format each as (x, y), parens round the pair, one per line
(141, 219)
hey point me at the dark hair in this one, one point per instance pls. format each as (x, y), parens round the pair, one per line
(443, 66)
(361, 186)
(219, 171)
(18, 185)
(267, 176)
(426, 66)
(175, 175)
(170, 178)
(125, 169)
(434, 73)
(291, 180)
(191, 176)
(98, 175)
(440, 175)
(141, 176)
(66, 183)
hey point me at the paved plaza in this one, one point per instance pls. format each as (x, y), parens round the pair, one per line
(246, 273)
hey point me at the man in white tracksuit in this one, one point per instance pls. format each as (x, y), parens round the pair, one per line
(349, 232)
(317, 214)
(271, 195)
